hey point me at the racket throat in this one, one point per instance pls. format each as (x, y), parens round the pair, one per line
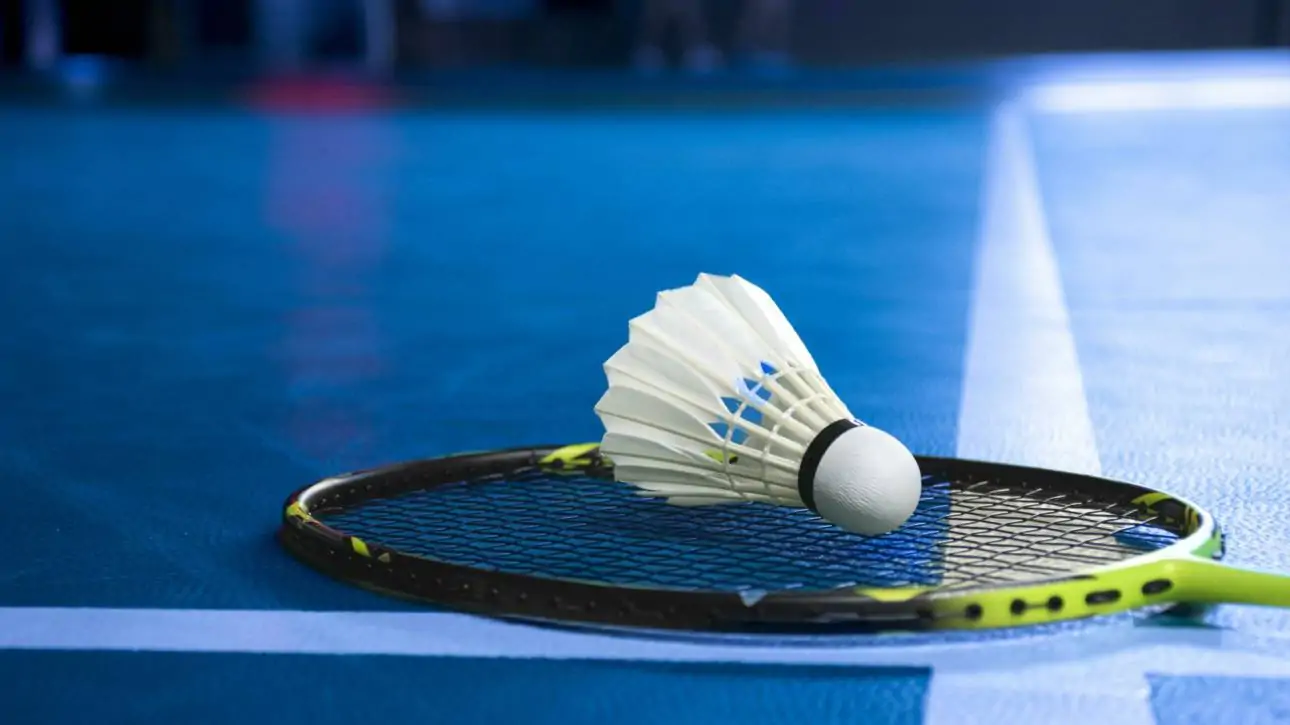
(1203, 581)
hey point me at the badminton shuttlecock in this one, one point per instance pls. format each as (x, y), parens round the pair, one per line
(715, 399)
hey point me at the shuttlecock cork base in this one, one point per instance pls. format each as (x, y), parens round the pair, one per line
(859, 478)
(715, 399)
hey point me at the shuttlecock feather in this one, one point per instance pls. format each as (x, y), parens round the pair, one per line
(715, 399)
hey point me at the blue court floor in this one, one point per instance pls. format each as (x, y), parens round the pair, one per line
(207, 306)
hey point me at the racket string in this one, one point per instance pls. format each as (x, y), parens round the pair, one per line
(1011, 535)
(569, 526)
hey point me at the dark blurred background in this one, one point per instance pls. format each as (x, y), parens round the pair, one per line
(701, 36)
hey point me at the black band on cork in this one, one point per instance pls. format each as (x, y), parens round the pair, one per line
(814, 454)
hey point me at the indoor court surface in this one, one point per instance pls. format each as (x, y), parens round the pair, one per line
(207, 306)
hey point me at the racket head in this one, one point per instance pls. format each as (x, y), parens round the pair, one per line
(546, 533)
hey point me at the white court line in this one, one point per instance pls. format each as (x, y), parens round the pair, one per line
(441, 634)
(1023, 402)
(1023, 394)
(1189, 94)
